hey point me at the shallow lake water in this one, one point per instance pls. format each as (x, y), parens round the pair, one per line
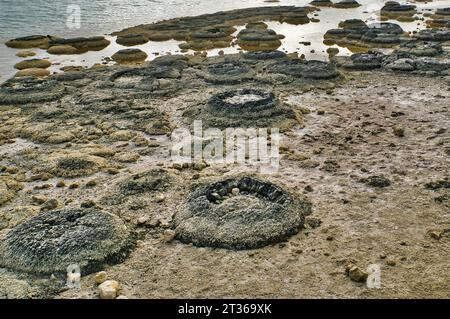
(22, 17)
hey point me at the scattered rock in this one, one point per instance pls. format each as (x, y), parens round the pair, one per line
(108, 289)
(356, 273)
(100, 277)
(169, 235)
(377, 181)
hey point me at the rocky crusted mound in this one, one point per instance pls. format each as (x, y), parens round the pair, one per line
(433, 35)
(210, 38)
(240, 213)
(82, 45)
(157, 78)
(33, 64)
(304, 69)
(440, 19)
(130, 40)
(345, 4)
(355, 33)
(226, 72)
(154, 180)
(75, 165)
(245, 108)
(257, 37)
(415, 56)
(129, 56)
(141, 184)
(397, 11)
(321, 3)
(184, 29)
(32, 41)
(51, 241)
(18, 91)
(264, 55)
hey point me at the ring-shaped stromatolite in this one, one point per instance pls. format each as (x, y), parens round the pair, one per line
(245, 108)
(240, 213)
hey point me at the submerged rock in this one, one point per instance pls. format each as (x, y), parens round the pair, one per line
(345, 4)
(261, 214)
(210, 38)
(356, 34)
(129, 56)
(33, 41)
(132, 40)
(51, 241)
(321, 3)
(183, 29)
(256, 37)
(62, 49)
(82, 44)
(400, 12)
(33, 64)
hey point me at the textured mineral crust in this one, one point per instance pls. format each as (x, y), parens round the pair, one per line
(397, 11)
(52, 241)
(257, 37)
(33, 41)
(355, 34)
(249, 108)
(240, 213)
(82, 45)
(129, 56)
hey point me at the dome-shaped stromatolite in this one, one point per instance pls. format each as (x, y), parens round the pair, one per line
(311, 69)
(83, 44)
(400, 12)
(19, 91)
(32, 41)
(345, 4)
(256, 37)
(33, 72)
(356, 34)
(75, 165)
(33, 64)
(321, 3)
(62, 49)
(240, 213)
(129, 56)
(245, 108)
(210, 38)
(132, 39)
(50, 242)
(227, 72)
(433, 35)
(264, 55)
